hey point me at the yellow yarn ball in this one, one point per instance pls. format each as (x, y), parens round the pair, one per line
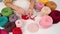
(43, 1)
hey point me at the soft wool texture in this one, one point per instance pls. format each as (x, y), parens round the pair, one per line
(51, 5)
(46, 21)
(32, 27)
(43, 1)
(45, 11)
(3, 21)
(25, 17)
(19, 23)
(9, 26)
(7, 11)
(13, 18)
(39, 6)
(55, 14)
(3, 32)
(17, 31)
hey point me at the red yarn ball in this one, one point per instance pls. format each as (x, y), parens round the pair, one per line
(55, 14)
(17, 31)
(25, 17)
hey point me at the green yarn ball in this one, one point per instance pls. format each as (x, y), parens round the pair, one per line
(7, 11)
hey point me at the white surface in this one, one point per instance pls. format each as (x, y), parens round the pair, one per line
(54, 29)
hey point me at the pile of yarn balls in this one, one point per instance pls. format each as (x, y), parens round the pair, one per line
(47, 9)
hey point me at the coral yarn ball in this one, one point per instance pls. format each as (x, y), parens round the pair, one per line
(17, 31)
(46, 21)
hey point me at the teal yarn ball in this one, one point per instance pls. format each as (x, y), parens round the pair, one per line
(3, 21)
(7, 11)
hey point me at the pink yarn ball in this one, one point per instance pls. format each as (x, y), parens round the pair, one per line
(18, 23)
(46, 21)
(32, 27)
(39, 6)
(3, 32)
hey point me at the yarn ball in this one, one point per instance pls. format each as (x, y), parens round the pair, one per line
(45, 11)
(3, 32)
(25, 17)
(39, 6)
(43, 1)
(3, 21)
(52, 5)
(17, 31)
(13, 18)
(9, 26)
(46, 22)
(18, 23)
(7, 11)
(55, 14)
(32, 27)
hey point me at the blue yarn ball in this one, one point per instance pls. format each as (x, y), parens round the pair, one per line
(3, 21)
